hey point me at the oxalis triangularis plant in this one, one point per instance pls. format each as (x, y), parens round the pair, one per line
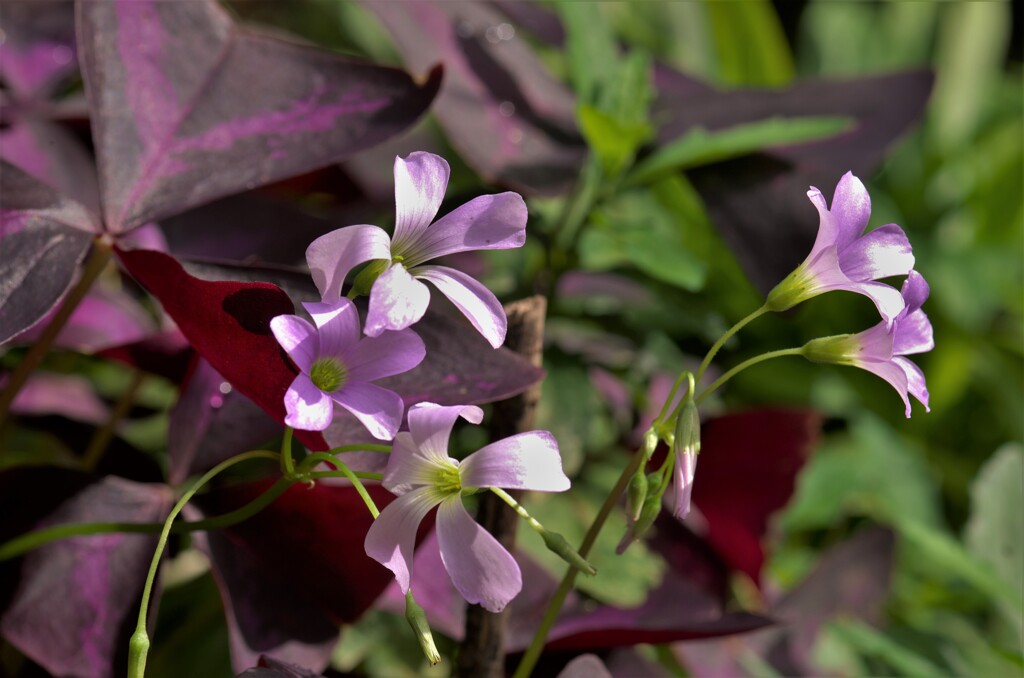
(368, 377)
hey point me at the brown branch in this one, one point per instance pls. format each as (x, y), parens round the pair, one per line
(482, 652)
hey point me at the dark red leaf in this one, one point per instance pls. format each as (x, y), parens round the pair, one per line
(746, 471)
(293, 572)
(228, 323)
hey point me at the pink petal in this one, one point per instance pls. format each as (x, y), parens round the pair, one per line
(378, 409)
(915, 381)
(420, 183)
(481, 569)
(882, 253)
(408, 468)
(851, 209)
(683, 474)
(525, 461)
(892, 372)
(475, 301)
(489, 222)
(876, 343)
(397, 300)
(332, 256)
(338, 326)
(298, 339)
(378, 357)
(827, 230)
(431, 425)
(913, 334)
(308, 407)
(887, 300)
(391, 538)
(915, 291)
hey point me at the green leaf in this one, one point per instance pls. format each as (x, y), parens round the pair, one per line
(636, 230)
(590, 46)
(994, 531)
(701, 147)
(874, 643)
(751, 46)
(615, 142)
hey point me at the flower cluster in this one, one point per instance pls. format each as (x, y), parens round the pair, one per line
(337, 364)
(844, 257)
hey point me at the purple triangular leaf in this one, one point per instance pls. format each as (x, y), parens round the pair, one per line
(177, 119)
(38, 47)
(269, 667)
(43, 237)
(54, 156)
(759, 202)
(75, 603)
(504, 113)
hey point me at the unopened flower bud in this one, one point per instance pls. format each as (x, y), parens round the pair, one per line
(686, 449)
(558, 544)
(648, 512)
(636, 493)
(417, 619)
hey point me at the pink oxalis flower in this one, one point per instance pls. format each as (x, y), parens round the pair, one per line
(846, 258)
(398, 298)
(424, 476)
(336, 365)
(882, 350)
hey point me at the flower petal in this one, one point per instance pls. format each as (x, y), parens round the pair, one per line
(420, 183)
(475, 301)
(397, 300)
(882, 253)
(915, 381)
(378, 357)
(525, 461)
(875, 343)
(892, 372)
(408, 468)
(391, 538)
(431, 425)
(377, 408)
(332, 256)
(489, 222)
(915, 291)
(913, 334)
(338, 326)
(851, 209)
(683, 474)
(308, 408)
(827, 230)
(887, 300)
(298, 338)
(481, 569)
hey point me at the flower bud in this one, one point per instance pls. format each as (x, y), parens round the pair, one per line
(686, 449)
(558, 544)
(421, 629)
(636, 493)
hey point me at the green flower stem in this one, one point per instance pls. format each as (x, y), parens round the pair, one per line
(345, 471)
(101, 251)
(672, 394)
(360, 447)
(314, 458)
(103, 436)
(744, 365)
(287, 463)
(139, 644)
(518, 508)
(725, 337)
(532, 654)
(37, 538)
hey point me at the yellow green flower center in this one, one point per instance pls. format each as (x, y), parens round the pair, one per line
(448, 481)
(328, 374)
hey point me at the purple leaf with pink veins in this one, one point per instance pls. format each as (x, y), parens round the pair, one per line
(178, 122)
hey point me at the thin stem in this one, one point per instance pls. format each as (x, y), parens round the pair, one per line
(102, 437)
(37, 538)
(356, 483)
(671, 395)
(518, 508)
(139, 644)
(532, 654)
(744, 365)
(314, 458)
(287, 464)
(97, 261)
(360, 447)
(725, 337)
